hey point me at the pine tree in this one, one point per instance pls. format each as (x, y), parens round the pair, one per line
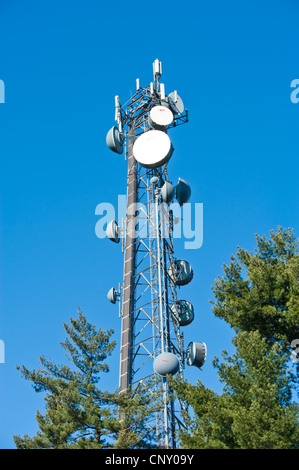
(260, 290)
(258, 295)
(78, 415)
(255, 410)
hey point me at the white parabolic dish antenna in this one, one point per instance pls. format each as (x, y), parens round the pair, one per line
(160, 117)
(166, 363)
(176, 103)
(152, 149)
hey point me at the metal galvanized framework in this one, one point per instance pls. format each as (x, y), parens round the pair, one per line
(148, 324)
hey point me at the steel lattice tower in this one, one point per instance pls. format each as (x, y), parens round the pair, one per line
(150, 325)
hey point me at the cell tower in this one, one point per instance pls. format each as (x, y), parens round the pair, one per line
(152, 316)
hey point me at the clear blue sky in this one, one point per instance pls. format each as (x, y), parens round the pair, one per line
(62, 64)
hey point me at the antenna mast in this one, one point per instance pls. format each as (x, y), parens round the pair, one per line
(152, 344)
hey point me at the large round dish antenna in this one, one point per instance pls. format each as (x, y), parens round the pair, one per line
(166, 363)
(176, 103)
(167, 192)
(182, 192)
(152, 149)
(196, 354)
(160, 117)
(114, 140)
(183, 311)
(181, 272)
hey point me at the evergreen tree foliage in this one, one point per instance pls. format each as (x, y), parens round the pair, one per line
(78, 415)
(255, 410)
(258, 295)
(260, 290)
